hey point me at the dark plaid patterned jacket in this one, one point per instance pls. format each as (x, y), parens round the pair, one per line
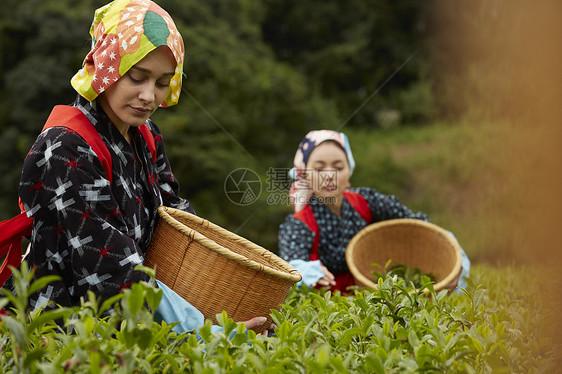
(90, 232)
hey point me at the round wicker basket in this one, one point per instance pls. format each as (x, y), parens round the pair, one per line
(215, 269)
(411, 242)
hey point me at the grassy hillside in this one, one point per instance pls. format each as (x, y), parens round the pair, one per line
(471, 178)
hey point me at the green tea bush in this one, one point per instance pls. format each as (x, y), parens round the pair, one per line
(490, 327)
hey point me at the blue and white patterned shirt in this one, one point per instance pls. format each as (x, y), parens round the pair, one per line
(295, 238)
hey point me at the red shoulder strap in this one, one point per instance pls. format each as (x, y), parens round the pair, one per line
(73, 118)
(11, 233)
(360, 204)
(306, 215)
(149, 139)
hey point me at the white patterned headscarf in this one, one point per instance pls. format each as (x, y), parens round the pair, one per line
(300, 189)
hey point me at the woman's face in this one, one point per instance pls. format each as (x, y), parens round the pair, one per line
(328, 171)
(138, 93)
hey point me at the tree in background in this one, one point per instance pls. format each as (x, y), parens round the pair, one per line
(261, 74)
(42, 44)
(348, 49)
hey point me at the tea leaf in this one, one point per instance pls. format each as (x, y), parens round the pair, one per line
(42, 283)
(17, 330)
(135, 298)
(413, 339)
(492, 327)
(110, 302)
(348, 335)
(143, 337)
(374, 364)
(50, 316)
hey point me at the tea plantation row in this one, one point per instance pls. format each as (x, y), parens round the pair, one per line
(501, 323)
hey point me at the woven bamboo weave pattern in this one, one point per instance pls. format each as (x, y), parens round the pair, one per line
(215, 269)
(410, 242)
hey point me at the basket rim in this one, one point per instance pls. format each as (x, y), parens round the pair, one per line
(290, 273)
(404, 221)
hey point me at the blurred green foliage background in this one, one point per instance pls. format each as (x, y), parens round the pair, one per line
(429, 93)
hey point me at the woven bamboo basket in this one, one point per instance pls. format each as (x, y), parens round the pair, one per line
(215, 269)
(411, 242)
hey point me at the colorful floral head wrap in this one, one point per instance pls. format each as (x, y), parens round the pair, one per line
(123, 33)
(300, 190)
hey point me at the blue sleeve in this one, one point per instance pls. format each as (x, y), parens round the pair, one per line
(174, 308)
(310, 270)
(465, 271)
(295, 244)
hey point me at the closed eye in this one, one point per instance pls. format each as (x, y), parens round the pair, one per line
(134, 80)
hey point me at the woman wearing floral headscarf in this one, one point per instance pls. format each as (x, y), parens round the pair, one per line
(328, 213)
(91, 228)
